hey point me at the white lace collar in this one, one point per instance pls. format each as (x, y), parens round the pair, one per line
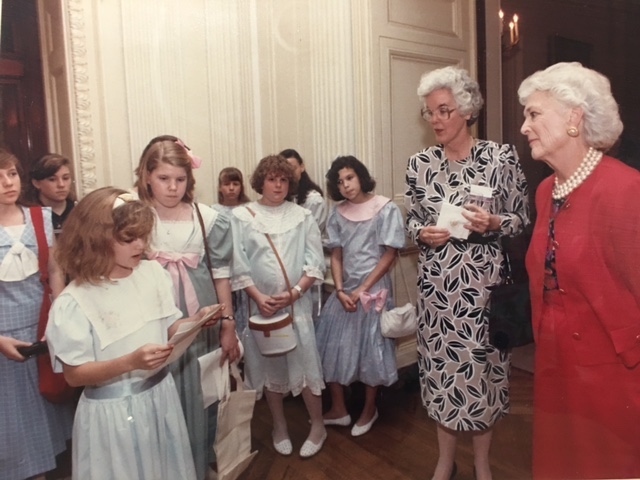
(272, 220)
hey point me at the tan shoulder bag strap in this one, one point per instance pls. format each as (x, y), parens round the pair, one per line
(284, 272)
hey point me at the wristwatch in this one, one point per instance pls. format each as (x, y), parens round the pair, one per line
(299, 289)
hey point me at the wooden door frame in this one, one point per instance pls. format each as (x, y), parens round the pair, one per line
(24, 69)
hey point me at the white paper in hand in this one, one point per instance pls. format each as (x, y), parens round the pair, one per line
(181, 340)
(186, 334)
(451, 218)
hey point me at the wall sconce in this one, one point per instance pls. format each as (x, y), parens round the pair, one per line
(510, 38)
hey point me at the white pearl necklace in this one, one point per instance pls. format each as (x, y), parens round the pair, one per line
(588, 165)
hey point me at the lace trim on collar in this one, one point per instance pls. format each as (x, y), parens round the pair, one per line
(272, 220)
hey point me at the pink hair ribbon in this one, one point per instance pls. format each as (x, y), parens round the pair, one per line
(195, 160)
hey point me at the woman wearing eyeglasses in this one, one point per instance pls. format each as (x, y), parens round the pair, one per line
(462, 195)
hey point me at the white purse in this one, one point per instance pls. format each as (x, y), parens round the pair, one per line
(400, 321)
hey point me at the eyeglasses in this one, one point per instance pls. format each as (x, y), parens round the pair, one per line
(442, 113)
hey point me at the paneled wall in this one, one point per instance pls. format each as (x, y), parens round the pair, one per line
(413, 39)
(239, 79)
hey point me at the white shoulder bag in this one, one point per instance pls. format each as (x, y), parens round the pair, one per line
(400, 321)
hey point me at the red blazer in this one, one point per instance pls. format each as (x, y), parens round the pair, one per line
(598, 263)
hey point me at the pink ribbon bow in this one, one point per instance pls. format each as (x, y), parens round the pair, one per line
(176, 266)
(378, 299)
(195, 161)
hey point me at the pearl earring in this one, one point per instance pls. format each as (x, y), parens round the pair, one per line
(572, 132)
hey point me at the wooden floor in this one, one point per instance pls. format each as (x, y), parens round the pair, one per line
(401, 445)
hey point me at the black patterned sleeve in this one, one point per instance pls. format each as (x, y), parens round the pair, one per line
(514, 193)
(417, 216)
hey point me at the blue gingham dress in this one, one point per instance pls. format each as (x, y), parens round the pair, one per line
(33, 431)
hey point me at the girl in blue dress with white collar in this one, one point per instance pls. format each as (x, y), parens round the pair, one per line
(108, 330)
(365, 231)
(33, 430)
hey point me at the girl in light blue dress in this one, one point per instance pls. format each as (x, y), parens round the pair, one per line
(231, 194)
(108, 331)
(365, 231)
(310, 196)
(167, 183)
(256, 269)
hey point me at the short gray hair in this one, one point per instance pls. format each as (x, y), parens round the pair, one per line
(576, 86)
(465, 90)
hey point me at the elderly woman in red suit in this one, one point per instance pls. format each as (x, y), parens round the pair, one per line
(584, 268)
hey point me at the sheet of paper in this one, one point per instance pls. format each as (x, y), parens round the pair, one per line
(186, 334)
(211, 377)
(451, 218)
(185, 329)
(181, 346)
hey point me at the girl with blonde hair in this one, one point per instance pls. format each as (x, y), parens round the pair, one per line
(194, 243)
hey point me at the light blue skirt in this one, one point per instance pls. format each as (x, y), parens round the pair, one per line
(352, 347)
(142, 435)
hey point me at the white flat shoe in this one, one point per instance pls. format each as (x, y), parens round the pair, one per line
(283, 447)
(341, 422)
(309, 449)
(358, 430)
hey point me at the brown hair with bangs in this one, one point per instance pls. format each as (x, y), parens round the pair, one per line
(231, 174)
(85, 246)
(8, 160)
(164, 149)
(45, 167)
(274, 165)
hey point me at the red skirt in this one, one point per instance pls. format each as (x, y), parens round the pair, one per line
(585, 424)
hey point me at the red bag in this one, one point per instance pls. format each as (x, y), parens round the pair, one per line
(53, 386)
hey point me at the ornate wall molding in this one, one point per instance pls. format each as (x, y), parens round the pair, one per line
(81, 97)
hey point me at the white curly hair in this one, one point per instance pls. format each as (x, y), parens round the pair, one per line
(465, 90)
(576, 86)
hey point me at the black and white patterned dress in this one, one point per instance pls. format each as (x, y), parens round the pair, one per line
(464, 380)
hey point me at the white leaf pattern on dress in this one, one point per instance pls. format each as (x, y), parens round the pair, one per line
(464, 379)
